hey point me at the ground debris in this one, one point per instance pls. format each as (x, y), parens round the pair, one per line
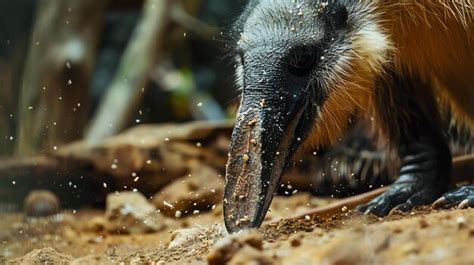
(130, 212)
(250, 255)
(183, 238)
(225, 249)
(43, 256)
(93, 260)
(343, 239)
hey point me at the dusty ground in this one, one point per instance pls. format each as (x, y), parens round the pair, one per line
(424, 236)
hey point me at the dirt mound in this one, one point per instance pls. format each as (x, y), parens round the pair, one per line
(43, 256)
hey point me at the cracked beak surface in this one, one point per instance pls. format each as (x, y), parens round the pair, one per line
(263, 141)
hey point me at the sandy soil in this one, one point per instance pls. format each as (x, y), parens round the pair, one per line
(423, 236)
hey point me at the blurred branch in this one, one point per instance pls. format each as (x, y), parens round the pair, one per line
(142, 152)
(126, 91)
(16, 18)
(191, 23)
(7, 99)
(54, 93)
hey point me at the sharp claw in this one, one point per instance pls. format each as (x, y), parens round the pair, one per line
(439, 203)
(377, 210)
(405, 207)
(464, 204)
(394, 210)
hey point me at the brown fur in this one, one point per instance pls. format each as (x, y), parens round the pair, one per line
(346, 100)
(430, 40)
(436, 39)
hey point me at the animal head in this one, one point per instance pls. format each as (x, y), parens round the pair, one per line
(304, 68)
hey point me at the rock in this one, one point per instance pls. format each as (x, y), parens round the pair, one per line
(130, 212)
(43, 256)
(199, 191)
(184, 238)
(227, 248)
(41, 203)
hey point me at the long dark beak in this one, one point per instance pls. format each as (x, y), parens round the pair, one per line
(263, 141)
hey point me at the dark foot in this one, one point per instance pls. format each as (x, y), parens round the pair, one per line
(403, 195)
(422, 180)
(462, 197)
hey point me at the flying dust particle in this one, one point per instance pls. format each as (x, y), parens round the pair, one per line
(177, 214)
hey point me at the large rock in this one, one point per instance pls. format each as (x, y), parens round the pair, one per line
(130, 212)
(200, 190)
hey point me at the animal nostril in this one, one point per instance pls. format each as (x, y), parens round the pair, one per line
(302, 60)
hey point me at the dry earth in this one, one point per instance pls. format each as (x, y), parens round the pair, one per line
(424, 236)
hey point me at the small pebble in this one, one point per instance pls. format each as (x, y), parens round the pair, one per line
(41, 203)
(423, 223)
(295, 242)
(471, 233)
(461, 221)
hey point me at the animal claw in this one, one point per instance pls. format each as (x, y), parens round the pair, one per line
(439, 203)
(464, 204)
(400, 208)
(462, 197)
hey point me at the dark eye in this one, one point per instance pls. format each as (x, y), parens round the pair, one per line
(302, 61)
(340, 16)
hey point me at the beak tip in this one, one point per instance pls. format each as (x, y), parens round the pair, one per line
(238, 226)
(237, 222)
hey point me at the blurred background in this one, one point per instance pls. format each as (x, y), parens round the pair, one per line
(90, 69)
